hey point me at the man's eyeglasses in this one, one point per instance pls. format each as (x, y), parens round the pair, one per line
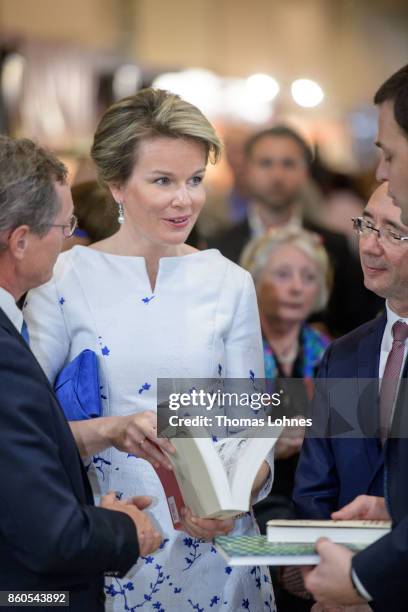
(68, 229)
(364, 228)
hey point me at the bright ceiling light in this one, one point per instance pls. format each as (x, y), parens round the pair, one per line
(238, 103)
(307, 93)
(263, 86)
(196, 85)
(126, 81)
(12, 76)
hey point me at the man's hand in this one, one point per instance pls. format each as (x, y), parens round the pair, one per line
(137, 434)
(205, 529)
(147, 535)
(366, 507)
(330, 581)
(290, 442)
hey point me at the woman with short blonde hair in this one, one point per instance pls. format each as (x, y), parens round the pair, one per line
(152, 307)
(258, 251)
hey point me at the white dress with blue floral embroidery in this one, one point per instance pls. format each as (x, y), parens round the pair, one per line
(201, 321)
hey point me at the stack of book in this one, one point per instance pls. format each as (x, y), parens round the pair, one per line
(292, 542)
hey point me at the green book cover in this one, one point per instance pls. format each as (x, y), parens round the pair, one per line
(256, 550)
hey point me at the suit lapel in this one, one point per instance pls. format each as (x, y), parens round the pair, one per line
(7, 325)
(368, 360)
(369, 346)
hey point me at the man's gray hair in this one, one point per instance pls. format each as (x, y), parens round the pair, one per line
(27, 194)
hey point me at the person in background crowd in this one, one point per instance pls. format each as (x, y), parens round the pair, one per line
(292, 276)
(278, 167)
(379, 573)
(153, 307)
(94, 208)
(52, 537)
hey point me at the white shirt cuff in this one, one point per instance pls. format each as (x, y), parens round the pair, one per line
(359, 586)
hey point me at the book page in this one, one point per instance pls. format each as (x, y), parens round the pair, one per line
(230, 451)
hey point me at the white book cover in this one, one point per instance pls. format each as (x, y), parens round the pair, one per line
(341, 532)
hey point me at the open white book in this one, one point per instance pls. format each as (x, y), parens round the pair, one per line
(340, 532)
(215, 479)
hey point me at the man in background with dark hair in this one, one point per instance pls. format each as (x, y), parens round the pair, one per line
(379, 573)
(278, 164)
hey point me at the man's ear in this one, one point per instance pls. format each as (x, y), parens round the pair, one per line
(18, 241)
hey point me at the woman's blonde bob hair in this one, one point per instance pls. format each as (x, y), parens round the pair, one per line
(148, 114)
(256, 256)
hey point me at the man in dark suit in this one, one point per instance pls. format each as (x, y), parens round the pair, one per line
(379, 573)
(277, 170)
(52, 537)
(333, 470)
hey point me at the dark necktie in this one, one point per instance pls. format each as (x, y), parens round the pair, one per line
(391, 376)
(24, 333)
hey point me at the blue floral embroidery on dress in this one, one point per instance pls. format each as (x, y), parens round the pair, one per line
(105, 351)
(252, 379)
(193, 555)
(214, 601)
(219, 369)
(145, 387)
(245, 604)
(102, 396)
(147, 597)
(146, 300)
(228, 569)
(163, 544)
(195, 606)
(99, 463)
(113, 592)
(61, 301)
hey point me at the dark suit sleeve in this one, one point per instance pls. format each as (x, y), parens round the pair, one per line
(382, 567)
(315, 493)
(40, 517)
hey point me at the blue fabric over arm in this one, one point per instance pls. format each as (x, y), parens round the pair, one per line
(78, 389)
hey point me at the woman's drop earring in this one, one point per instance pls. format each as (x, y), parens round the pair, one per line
(121, 216)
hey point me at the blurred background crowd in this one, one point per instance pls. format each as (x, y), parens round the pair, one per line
(287, 84)
(307, 66)
(311, 66)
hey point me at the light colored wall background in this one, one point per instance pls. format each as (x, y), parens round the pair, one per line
(349, 46)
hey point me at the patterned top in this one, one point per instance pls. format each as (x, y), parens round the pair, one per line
(312, 346)
(201, 321)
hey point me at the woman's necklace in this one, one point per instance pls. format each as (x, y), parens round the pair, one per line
(287, 355)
